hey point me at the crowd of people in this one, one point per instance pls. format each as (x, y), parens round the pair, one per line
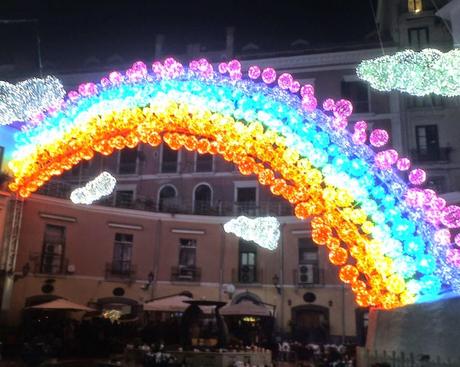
(317, 355)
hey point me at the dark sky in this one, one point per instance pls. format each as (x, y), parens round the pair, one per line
(71, 31)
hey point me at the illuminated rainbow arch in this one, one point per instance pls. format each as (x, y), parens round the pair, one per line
(392, 240)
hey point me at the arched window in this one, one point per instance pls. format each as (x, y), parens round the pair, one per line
(167, 199)
(202, 199)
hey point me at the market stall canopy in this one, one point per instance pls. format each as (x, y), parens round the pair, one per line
(61, 304)
(176, 303)
(245, 308)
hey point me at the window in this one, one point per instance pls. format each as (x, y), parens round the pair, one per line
(124, 198)
(431, 100)
(427, 141)
(52, 261)
(418, 37)
(122, 254)
(414, 6)
(167, 199)
(248, 262)
(204, 162)
(308, 251)
(169, 160)
(246, 200)
(202, 199)
(128, 161)
(308, 269)
(187, 253)
(358, 93)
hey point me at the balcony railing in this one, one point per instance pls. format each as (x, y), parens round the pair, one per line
(179, 206)
(120, 269)
(185, 274)
(248, 274)
(50, 264)
(438, 155)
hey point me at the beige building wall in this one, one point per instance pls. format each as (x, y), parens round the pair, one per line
(89, 243)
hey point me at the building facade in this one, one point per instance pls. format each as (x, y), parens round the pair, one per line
(161, 233)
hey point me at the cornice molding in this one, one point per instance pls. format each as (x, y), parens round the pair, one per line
(144, 215)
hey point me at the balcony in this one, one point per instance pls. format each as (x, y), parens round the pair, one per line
(120, 270)
(50, 264)
(248, 274)
(441, 155)
(179, 205)
(185, 274)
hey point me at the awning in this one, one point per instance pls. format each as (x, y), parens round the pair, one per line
(245, 308)
(173, 304)
(61, 304)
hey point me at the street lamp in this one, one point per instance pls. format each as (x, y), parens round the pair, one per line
(276, 283)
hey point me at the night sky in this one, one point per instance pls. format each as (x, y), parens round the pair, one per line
(71, 32)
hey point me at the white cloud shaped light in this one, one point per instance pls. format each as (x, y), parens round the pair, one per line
(22, 101)
(102, 185)
(417, 73)
(264, 231)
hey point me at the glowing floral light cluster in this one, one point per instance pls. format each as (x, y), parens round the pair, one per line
(390, 237)
(263, 231)
(101, 186)
(112, 315)
(417, 73)
(23, 101)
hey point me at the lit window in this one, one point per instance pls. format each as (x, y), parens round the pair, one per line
(414, 6)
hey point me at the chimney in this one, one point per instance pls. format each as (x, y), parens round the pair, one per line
(159, 41)
(230, 42)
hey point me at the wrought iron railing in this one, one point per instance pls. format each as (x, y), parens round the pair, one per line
(436, 155)
(120, 269)
(179, 206)
(185, 273)
(248, 274)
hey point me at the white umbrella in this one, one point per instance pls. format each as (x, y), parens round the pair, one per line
(61, 304)
(245, 308)
(173, 304)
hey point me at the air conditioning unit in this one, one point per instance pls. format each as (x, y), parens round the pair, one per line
(306, 274)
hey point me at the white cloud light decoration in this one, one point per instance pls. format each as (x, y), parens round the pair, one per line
(417, 73)
(102, 185)
(264, 231)
(22, 101)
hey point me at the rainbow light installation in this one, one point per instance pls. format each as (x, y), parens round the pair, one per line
(390, 237)
(264, 231)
